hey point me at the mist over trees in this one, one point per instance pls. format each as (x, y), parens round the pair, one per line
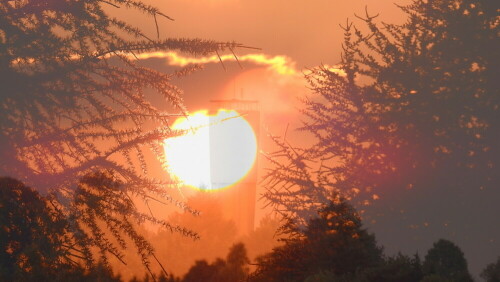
(217, 234)
(333, 247)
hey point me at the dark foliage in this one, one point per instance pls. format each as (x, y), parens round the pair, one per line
(233, 269)
(393, 269)
(103, 216)
(446, 260)
(36, 242)
(76, 104)
(32, 235)
(411, 105)
(333, 244)
(491, 272)
(70, 80)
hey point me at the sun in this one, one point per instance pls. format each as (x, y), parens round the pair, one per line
(215, 152)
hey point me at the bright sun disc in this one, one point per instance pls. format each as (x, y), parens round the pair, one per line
(216, 151)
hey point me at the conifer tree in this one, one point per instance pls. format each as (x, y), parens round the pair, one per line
(332, 244)
(447, 261)
(413, 105)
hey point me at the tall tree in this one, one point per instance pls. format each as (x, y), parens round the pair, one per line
(75, 101)
(332, 244)
(413, 105)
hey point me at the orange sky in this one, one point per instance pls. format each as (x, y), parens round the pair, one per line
(293, 36)
(306, 31)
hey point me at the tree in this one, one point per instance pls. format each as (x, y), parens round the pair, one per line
(332, 244)
(36, 240)
(32, 237)
(234, 268)
(76, 104)
(410, 105)
(202, 271)
(446, 260)
(70, 81)
(432, 100)
(394, 268)
(491, 273)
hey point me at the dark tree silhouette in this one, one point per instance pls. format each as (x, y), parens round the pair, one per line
(37, 242)
(75, 101)
(413, 105)
(393, 269)
(203, 271)
(33, 242)
(334, 245)
(447, 261)
(69, 81)
(234, 268)
(491, 273)
(102, 216)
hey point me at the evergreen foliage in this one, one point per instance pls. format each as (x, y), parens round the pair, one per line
(446, 260)
(334, 244)
(411, 105)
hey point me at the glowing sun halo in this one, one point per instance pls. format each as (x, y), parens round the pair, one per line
(216, 151)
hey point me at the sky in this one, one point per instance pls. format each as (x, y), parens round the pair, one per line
(294, 36)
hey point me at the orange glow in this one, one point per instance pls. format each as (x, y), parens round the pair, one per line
(216, 151)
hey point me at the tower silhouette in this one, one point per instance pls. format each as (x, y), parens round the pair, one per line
(239, 200)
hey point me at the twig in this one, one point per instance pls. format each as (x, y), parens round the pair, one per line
(220, 60)
(236, 58)
(109, 3)
(161, 265)
(157, 29)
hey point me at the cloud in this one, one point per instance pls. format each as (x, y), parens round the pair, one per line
(280, 64)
